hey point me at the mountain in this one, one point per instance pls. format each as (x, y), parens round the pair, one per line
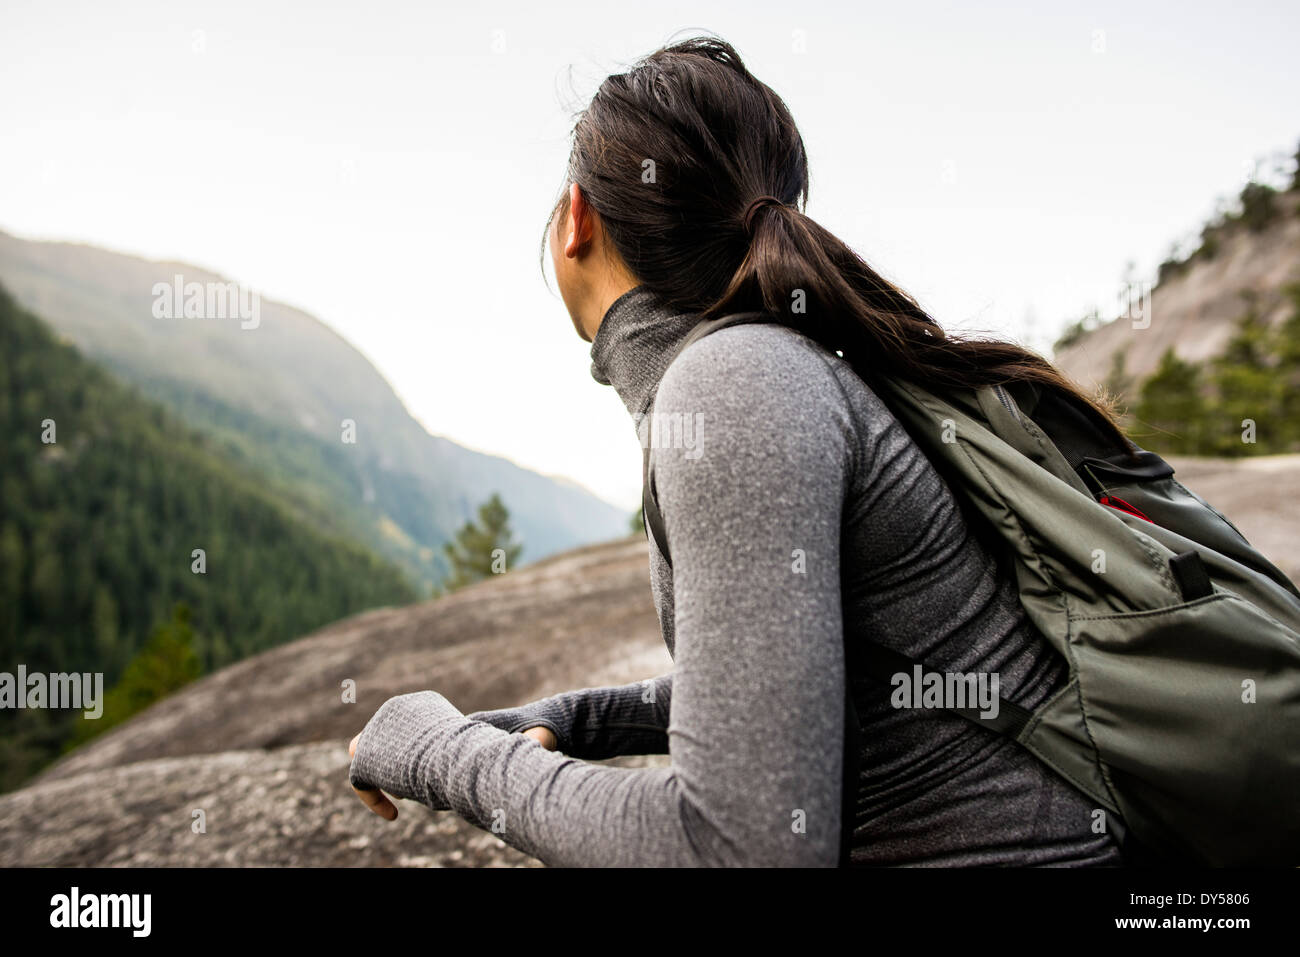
(275, 397)
(112, 511)
(261, 746)
(1195, 307)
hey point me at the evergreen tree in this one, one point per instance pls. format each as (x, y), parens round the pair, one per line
(166, 663)
(482, 549)
(1171, 404)
(1287, 349)
(1259, 206)
(1246, 390)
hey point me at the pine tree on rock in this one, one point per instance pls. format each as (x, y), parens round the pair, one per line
(483, 548)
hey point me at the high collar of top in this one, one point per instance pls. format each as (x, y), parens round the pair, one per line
(634, 345)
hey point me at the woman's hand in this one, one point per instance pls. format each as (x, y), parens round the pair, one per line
(396, 730)
(543, 736)
(394, 756)
(374, 799)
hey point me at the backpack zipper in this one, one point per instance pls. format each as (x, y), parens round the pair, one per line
(1005, 399)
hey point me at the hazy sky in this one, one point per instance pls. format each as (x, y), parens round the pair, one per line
(389, 166)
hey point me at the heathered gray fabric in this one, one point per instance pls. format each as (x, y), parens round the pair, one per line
(801, 517)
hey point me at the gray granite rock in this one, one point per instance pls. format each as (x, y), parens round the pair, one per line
(261, 747)
(289, 806)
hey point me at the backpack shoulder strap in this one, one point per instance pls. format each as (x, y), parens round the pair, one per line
(654, 520)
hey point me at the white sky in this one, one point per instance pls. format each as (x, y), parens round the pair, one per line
(389, 166)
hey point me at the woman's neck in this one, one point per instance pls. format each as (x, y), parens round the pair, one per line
(634, 343)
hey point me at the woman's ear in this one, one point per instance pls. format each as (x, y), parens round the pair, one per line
(578, 224)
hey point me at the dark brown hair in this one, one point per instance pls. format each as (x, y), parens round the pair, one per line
(672, 153)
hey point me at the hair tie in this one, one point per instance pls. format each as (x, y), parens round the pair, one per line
(755, 206)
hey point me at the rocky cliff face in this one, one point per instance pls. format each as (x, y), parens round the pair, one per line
(1194, 311)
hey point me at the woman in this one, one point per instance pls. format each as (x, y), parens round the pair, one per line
(803, 521)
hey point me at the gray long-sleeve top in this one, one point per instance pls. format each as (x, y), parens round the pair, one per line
(801, 517)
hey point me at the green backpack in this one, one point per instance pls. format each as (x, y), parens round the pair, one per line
(1181, 714)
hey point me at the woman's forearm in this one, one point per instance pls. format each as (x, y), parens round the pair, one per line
(563, 810)
(557, 808)
(597, 723)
